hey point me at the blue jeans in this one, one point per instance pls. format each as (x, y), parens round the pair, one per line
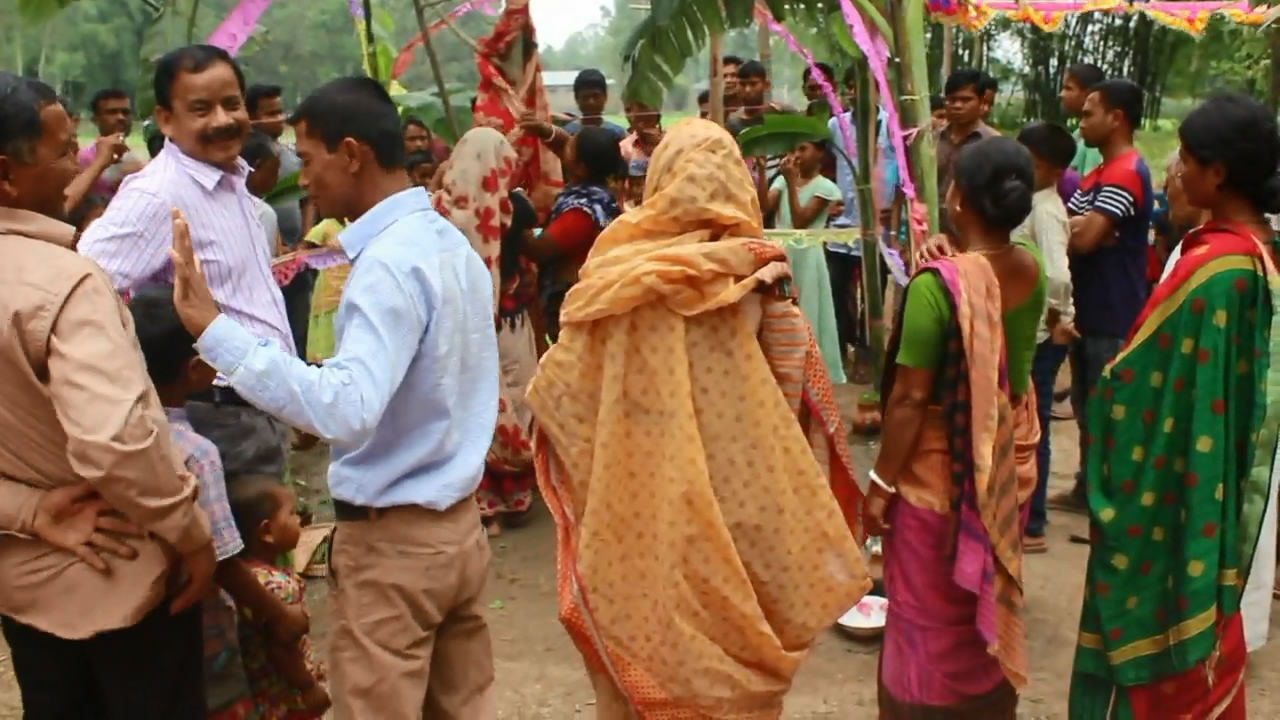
(1044, 375)
(1089, 356)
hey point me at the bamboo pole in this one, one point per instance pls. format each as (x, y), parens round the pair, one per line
(717, 81)
(913, 106)
(948, 49)
(766, 54)
(869, 224)
(434, 61)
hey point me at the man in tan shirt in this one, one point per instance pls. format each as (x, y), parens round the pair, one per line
(92, 636)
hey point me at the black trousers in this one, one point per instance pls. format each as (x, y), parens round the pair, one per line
(845, 271)
(153, 670)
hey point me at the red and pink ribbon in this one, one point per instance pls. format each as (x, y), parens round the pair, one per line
(239, 24)
(828, 92)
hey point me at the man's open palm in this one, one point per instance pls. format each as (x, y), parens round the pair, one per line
(191, 296)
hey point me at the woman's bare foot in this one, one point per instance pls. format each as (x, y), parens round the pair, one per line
(493, 527)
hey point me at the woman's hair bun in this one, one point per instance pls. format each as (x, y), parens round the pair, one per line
(997, 178)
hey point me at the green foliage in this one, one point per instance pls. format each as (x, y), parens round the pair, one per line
(38, 11)
(428, 106)
(92, 44)
(780, 133)
(662, 43)
(286, 190)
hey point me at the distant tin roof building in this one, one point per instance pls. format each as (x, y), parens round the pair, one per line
(562, 78)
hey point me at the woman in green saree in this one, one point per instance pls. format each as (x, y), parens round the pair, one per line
(1185, 423)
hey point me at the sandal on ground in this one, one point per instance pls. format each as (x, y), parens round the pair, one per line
(1068, 501)
(1034, 545)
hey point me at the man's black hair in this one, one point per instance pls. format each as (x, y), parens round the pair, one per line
(989, 84)
(850, 76)
(413, 121)
(827, 71)
(590, 79)
(1123, 95)
(112, 93)
(732, 60)
(1050, 143)
(752, 70)
(704, 97)
(258, 146)
(20, 108)
(354, 107)
(155, 141)
(189, 59)
(936, 103)
(416, 158)
(1086, 75)
(963, 78)
(166, 344)
(259, 92)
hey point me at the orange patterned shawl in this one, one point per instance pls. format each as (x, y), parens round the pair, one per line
(689, 448)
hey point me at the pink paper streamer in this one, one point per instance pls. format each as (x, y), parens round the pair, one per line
(833, 99)
(286, 267)
(877, 54)
(238, 25)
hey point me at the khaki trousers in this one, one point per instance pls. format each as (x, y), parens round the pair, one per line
(410, 639)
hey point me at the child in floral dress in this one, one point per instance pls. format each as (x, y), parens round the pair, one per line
(287, 682)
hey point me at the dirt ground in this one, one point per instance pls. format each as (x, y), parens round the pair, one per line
(540, 675)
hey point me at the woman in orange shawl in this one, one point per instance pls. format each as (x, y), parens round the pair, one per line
(511, 88)
(689, 447)
(475, 196)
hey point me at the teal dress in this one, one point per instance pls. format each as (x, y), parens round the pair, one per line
(810, 275)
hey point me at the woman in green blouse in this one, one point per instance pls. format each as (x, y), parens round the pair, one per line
(948, 489)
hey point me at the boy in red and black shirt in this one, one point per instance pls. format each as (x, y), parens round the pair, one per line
(1110, 221)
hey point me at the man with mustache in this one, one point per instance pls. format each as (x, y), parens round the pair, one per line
(109, 161)
(201, 110)
(92, 628)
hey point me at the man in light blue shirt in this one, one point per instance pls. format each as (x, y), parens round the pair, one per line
(408, 402)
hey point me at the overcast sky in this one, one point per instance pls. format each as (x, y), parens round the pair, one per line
(556, 20)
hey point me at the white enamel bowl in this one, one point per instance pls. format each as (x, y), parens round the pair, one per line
(865, 621)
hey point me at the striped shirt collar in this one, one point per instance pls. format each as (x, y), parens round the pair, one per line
(208, 176)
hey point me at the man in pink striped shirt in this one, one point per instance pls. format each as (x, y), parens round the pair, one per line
(200, 108)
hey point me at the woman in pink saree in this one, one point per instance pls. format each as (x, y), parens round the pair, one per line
(946, 494)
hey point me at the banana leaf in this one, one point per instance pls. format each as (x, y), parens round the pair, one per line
(428, 107)
(780, 133)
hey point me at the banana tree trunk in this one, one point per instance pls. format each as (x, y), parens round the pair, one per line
(717, 81)
(913, 106)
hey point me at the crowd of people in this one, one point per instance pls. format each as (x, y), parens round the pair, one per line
(593, 312)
